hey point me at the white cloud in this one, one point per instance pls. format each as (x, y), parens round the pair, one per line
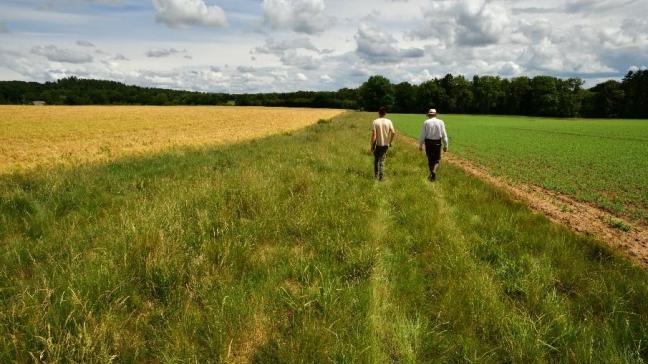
(304, 62)
(326, 78)
(464, 22)
(180, 13)
(377, 46)
(636, 30)
(56, 54)
(85, 43)
(297, 52)
(20, 64)
(163, 52)
(275, 40)
(279, 47)
(245, 69)
(302, 16)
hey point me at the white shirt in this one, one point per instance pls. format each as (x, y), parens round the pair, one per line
(434, 129)
(383, 128)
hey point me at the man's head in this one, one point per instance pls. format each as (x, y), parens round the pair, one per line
(432, 113)
(382, 111)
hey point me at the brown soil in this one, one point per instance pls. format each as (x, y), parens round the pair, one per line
(580, 217)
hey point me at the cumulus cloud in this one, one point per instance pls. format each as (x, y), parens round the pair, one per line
(464, 22)
(566, 38)
(56, 54)
(24, 66)
(583, 6)
(636, 29)
(326, 78)
(181, 13)
(163, 52)
(543, 56)
(303, 62)
(278, 47)
(574, 49)
(302, 16)
(245, 69)
(297, 52)
(85, 43)
(576, 7)
(376, 46)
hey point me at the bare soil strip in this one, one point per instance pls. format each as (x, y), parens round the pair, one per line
(580, 217)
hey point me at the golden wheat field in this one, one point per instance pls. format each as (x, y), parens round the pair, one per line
(34, 136)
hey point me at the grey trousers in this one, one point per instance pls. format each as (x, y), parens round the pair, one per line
(379, 160)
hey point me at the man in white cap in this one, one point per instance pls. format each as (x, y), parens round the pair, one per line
(434, 138)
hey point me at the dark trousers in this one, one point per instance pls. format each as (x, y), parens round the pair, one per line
(379, 160)
(433, 152)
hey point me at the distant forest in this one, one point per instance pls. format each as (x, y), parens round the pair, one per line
(537, 96)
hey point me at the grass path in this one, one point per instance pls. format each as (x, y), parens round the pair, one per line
(380, 314)
(285, 250)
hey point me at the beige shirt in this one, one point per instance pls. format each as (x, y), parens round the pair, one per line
(383, 127)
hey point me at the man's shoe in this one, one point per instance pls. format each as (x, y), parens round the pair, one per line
(432, 177)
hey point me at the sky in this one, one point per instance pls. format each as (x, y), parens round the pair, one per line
(240, 46)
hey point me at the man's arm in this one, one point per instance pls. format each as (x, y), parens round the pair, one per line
(373, 138)
(444, 137)
(422, 138)
(392, 134)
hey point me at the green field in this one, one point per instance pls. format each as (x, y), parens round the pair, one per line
(285, 249)
(600, 161)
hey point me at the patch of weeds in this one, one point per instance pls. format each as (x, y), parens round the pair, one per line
(18, 204)
(565, 208)
(600, 253)
(619, 225)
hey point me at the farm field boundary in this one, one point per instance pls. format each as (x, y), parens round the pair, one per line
(581, 217)
(598, 162)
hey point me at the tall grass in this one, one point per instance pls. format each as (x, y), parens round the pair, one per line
(285, 250)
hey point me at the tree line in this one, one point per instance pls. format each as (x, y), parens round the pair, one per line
(536, 96)
(76, 91)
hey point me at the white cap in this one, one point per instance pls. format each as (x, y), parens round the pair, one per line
(432, 112)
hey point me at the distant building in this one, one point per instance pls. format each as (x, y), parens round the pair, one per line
(39, 103)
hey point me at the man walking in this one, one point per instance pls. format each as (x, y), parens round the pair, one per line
(433, 137)
(382, 135)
